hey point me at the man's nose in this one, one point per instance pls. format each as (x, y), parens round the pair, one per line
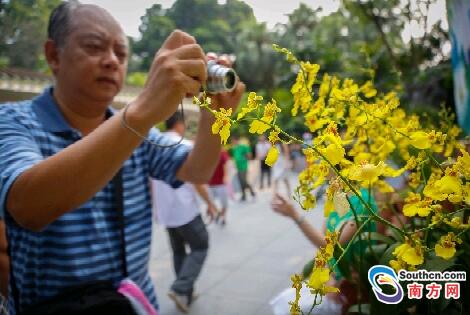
(110, 59)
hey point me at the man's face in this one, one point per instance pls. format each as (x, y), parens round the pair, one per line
(93, 61)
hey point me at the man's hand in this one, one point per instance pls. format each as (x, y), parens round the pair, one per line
(178, 69)
(212, 212)
(229, 99)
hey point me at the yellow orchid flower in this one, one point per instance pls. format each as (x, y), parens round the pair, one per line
(274, 135)
(258, 126)
(270, 111)
(368, 89)
(420, 140)
(367, 172)
(415, 206)
(222, 124)
(397, 265)
(272, 156)
(463, 164)
(445, 248)
(333, 153)
(318, 278)
(251, 105)
(411, 255)
(446, 251)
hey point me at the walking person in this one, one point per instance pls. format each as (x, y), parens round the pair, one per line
(177, 209)
(218, 186)
(241, 153)
(66, 154)
(262, 148)
(281, 169)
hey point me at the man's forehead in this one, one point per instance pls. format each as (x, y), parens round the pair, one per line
(92, 19)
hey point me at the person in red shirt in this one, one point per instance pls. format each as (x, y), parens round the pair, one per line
(218, 188)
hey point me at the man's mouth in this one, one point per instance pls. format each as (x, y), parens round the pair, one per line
(107, 80)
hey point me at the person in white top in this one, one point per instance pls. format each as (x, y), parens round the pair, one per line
(178, 210)
(281, 168)
(262, 148)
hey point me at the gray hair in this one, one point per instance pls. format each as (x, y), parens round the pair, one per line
(60, 22)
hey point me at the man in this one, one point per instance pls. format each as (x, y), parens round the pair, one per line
(240, 153)
(177, 209)
(60, 151)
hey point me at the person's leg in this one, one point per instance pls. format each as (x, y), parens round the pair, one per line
(261, 177)
(242, 181)
(223, 196)
(269, 177)
(178, 248)
(195, 234)
(247, 185)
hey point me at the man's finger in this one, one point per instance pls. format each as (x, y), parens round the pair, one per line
(225, 61)
(177, 39)
(190, 51)
(191, 86)
(194, 68)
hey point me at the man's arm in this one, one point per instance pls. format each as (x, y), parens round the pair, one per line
(201, 162)
(62, 182)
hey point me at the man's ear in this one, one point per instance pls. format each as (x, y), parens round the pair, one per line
(51, 51)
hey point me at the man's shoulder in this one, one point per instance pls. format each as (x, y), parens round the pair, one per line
(20, 109)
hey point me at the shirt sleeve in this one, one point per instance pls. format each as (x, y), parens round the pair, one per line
(18, 152)
(165, 162)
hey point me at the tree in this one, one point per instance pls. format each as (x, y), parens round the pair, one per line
(23, 24)
(155, 27)
(215, 26)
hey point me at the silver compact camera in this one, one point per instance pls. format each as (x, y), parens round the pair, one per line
(220, 79)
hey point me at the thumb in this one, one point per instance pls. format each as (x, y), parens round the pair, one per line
(177, 39)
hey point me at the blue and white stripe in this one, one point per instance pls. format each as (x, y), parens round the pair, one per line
(84, 244)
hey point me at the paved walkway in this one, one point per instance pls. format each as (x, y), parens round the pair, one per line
(250, 260)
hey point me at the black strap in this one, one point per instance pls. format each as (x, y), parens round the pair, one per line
(119, 204)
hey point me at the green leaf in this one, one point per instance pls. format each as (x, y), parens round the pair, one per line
(365, 309)
(374, 236)
(438, 264)
(388, 255)
(378, 249)
(307, 270)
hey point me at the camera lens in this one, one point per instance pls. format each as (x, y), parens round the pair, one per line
(220, 78)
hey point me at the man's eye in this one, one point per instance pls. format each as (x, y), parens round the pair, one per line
(93, 47)
(121, 55)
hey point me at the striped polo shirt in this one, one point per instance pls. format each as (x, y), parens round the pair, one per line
(83, 244)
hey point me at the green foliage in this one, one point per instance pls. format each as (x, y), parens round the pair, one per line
(363, 35)
(23, 24)
(136, 78)
(215, 26)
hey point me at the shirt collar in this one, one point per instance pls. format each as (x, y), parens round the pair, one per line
(49, 114)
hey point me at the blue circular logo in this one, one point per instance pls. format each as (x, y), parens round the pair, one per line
(384, 275)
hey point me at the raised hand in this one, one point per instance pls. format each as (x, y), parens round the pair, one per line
(178, 69)
(229, 99)
(280, 205)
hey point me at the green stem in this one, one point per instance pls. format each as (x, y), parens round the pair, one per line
(352, 241)
(431, 156)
